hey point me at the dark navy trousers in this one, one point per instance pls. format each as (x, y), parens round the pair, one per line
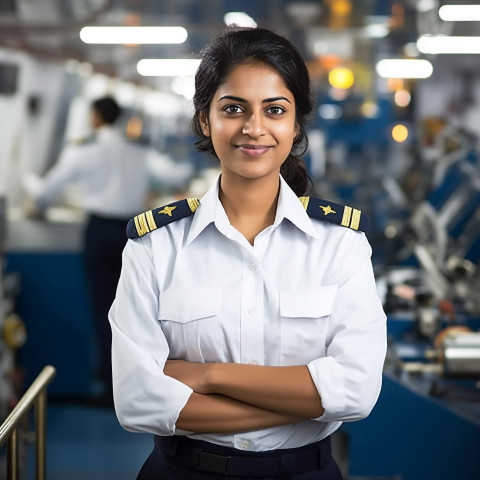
(158, 466)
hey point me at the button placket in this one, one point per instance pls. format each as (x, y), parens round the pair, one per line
(251, 333)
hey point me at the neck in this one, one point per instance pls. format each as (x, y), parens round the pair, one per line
(250, 205)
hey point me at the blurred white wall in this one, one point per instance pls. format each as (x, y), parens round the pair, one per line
(452, 92)
(28, 120)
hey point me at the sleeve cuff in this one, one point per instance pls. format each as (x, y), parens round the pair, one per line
(328, 377)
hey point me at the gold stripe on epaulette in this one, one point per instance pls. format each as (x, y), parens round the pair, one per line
(151, 221)
(347, 213)
(193, 203)
(141, 224)
(304, 201)
(355, 219)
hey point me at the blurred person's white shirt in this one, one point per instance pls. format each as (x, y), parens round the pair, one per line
(113, 175)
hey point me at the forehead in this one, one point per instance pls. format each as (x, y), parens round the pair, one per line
(254, 77)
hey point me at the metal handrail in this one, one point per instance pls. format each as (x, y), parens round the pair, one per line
(35, 395)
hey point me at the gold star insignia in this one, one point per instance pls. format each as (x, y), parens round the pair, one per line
(167, 210)
(328, 209)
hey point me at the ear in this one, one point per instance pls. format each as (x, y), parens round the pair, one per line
(297, 131)
(204, 124)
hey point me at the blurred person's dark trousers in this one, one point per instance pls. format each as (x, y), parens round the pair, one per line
(104, 241)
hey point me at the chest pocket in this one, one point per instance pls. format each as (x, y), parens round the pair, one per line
(191, 321)
(304, 323)
(184, 305)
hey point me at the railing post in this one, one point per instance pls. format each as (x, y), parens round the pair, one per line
(41, 434)
(36, 396)
(12, 461)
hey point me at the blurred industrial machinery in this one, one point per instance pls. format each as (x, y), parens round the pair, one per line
(12, 336)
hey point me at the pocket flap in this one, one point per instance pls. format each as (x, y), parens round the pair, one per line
(185, 305)
(309, 303)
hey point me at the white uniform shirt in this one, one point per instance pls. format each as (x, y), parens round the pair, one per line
(111, 172)
(303, 294)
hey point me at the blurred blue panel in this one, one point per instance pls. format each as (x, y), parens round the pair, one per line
(412, 436)
(354, 130)
(54, 305)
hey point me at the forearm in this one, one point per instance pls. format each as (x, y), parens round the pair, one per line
(286, 390)
(220, 414)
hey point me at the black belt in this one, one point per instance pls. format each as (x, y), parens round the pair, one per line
(208, 457)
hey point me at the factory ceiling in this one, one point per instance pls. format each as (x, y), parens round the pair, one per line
(49, 29)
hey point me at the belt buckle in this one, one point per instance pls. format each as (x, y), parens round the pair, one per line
(210, 462)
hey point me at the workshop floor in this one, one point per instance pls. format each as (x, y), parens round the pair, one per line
(85, 442)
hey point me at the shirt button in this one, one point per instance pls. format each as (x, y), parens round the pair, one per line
(250, 311)
(253, 267)
(244, 445)
(252, 362)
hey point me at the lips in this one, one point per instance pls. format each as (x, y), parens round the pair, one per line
(254, 150)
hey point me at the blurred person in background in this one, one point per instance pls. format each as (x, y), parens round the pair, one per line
(113, 177)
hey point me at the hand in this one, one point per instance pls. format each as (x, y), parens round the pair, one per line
(194, 375)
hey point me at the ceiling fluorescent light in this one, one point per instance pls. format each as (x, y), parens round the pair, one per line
(459, 13)
(423, 6)
(438, 44)
(404, 68)
(133, 35)
(159, 67)
(239, 18)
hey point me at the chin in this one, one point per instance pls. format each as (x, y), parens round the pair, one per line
(259, 175)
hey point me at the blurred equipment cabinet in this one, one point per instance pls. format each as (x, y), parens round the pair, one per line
(53, 302)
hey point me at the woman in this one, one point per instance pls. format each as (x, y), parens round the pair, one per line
(245, 331)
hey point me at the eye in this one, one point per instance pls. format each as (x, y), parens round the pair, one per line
(275, 110)
(232, 109)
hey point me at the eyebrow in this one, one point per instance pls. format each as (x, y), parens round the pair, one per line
(243, 100)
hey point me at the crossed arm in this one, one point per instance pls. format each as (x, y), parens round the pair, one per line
(230, 397)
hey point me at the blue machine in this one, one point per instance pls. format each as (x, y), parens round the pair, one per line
(424, 426)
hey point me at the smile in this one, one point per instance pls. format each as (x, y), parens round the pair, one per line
(254, 150)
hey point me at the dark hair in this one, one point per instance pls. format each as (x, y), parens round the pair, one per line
(107, 108)
(240, 45)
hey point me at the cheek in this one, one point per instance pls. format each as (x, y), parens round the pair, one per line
(222, 133)
(286, 133)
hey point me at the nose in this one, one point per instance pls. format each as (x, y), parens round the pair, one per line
(254, 126)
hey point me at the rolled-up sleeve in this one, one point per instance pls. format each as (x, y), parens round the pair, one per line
(349, 377)
(145, 399)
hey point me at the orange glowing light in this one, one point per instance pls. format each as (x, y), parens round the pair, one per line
(330, 61)
(395, 84)
(134, 128)
(341, 77)
(341, 8)
(403, 98)
(399, 133)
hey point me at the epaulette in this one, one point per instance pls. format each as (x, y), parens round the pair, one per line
(161, 216)
(335, 213)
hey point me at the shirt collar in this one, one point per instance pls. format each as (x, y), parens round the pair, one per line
(106, 131)
(290, 207)
(211, 211)
(206, 212)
